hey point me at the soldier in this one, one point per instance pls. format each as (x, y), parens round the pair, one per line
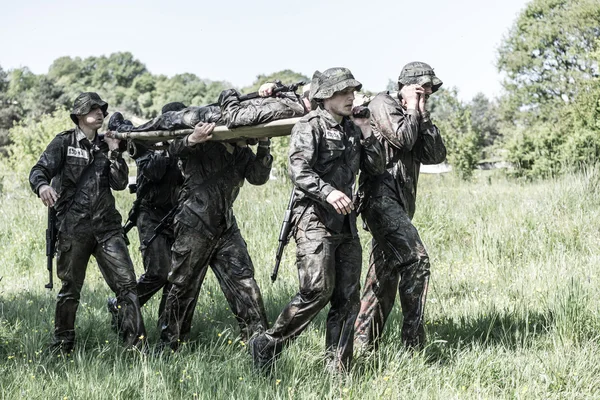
(399, 260)
(327, 150)
(85, 167)
(206, 232)
(158, 182)
(228, 110)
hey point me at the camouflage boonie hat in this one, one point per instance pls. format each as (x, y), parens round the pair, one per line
(324, 85)
(84, 102)
(418, 73)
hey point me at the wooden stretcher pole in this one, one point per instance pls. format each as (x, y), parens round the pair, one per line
(282, 127)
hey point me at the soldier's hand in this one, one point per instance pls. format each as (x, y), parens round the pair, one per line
(410, 93)
(202, 133)
(48, 195)
(113, 144)
(361, 116)
(266, 89)
(423, 99)
(341, 202)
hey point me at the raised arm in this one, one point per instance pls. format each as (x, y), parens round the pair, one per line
(399, 127)
(258, 169)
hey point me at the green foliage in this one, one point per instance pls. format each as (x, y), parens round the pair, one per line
(463, 142)
(551, 113)
(30, 137)
(546, 54)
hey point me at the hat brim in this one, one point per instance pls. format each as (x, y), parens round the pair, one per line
(435, 82)
(102, 104)
(325, 93)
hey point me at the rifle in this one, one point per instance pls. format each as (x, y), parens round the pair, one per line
(51, 233)
(284, 233)
(280, 88)
(163, 224)
(133, 213)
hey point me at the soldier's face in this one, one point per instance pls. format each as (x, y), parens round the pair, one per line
(93, 119)
(427, 89)
(341, 102)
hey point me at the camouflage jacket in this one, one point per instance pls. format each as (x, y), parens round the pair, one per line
(408, 142)
(325, 156)
(213, 175)
(84, 174)
(158, 180)
(258, 110)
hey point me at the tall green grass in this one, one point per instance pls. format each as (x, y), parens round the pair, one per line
(512, 310)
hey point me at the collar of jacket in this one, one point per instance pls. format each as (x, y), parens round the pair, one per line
(79, 135)
(330, 122)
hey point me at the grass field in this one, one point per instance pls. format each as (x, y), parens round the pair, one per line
(512, 310)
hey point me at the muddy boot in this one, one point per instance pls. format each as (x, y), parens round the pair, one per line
(111, 305)
(263, 352)
(118, 123)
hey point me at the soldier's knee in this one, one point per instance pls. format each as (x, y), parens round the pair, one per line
(319, 294)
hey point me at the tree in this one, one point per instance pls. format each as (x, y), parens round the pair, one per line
(550, 113)
(546, 53)
(463, 142)
(484, 119)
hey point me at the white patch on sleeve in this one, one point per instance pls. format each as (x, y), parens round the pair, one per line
(77, 152)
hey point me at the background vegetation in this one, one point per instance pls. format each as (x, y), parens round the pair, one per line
(512, 310)
(546, 122)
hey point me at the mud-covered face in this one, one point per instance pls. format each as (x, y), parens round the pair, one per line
(341, 102)
(92, 120)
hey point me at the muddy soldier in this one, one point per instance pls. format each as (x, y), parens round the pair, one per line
(158, 182)
(207, 234)
(327, 150)
(230, 111)
(399, 261)
(86, 168)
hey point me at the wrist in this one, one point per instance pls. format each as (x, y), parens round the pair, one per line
(114, 154)
(414, 105)
(264, 142)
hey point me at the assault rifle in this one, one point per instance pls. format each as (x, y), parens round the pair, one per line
(133, 213)
(284, 234)
(280, 88)
(51, 234)
(163, 224)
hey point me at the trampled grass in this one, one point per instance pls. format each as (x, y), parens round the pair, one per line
(512, 310)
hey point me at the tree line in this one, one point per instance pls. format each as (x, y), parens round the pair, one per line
(546, 121)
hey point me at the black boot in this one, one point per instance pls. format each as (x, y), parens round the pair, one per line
(264, 352)
(113, 309)
(118, 123)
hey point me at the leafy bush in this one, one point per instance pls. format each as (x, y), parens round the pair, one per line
(31, 136)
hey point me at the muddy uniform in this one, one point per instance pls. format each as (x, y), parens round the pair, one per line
(230, 111)
(159, 180)
(399, 260)
(326, 156)
(206, 233)
(88, 224)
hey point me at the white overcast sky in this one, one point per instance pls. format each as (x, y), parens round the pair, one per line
(236, 40)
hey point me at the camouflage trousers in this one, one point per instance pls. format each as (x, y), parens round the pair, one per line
(116, 267)
(399, 262)
(329, 267)
(258, 111)
(156, 257)
(184, 119)
(227, 255)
